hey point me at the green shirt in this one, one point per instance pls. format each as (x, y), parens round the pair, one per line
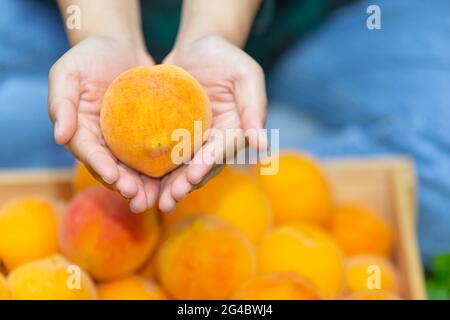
(278, 24)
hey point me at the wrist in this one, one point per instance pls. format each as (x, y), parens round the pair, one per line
(232, 22)
(118, 20)
(185, 46)
(136, 53)
(129, 40)
(186, 38)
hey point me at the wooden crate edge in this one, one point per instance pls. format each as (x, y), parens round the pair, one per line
(404, 183)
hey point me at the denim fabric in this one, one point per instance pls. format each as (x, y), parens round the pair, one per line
(31, 38)
(376, 92)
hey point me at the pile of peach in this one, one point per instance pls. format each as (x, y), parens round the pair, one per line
(242, 236)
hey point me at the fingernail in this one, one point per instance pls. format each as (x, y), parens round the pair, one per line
(56, 133)
(134, 209)
(195, 178)
(107, 180)
(167, 208)
(123, 195)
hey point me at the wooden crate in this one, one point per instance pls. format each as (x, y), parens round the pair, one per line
(388, 185)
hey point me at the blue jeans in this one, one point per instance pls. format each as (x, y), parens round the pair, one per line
(31, 38)
(348, 90)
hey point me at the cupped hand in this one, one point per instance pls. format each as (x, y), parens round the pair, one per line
(77, 83)
(235, 85)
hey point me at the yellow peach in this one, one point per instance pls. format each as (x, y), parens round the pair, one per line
(278, 286)
(130, 288)
(370, 272)
(232, 195)
(28, 231)
(4, 290)
(206, 259)
(307, 250)
(51, 278)
(299, 191)
(360, 230)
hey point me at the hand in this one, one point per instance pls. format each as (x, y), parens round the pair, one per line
(77, 83)
(235, 85)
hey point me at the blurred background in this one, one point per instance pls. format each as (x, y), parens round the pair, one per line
(335, 88)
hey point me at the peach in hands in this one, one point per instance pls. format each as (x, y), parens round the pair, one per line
(140, 111)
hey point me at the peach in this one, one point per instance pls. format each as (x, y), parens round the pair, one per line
(101, 234)
(299, 191)
(360, 230)
(232, 195)
(307, 250)
(278, 286)
(83, 178)
(130, 288)
(28, 231)
(373, 295)
(206, 258)
(361, 269)
(143, 107)
(4, 290)
(50, 279)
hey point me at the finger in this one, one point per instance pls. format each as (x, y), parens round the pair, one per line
(202, 162)
(252, 104)
(166, 201)
(63, 99)
(180, 187)
(126, 184)
(86, 147)
(138, 203)
(217, 150)
(151, 189)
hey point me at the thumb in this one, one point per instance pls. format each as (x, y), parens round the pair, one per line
(63, 99)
